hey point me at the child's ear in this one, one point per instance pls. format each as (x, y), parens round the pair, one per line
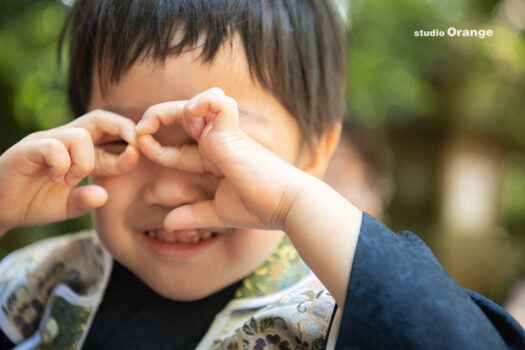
(315, 158)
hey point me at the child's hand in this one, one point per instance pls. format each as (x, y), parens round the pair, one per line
(257, 189)
(255, 185)
(38, 175)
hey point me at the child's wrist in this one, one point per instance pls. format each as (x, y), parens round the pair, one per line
(298, 184)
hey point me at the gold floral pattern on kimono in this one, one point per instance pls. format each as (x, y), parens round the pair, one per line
(299, 320)
(281, 270)
(28, 276)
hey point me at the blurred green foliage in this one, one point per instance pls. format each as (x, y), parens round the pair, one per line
(513, 193)
(397, 79)
(422, 90)
(28, 63)
(400, 82)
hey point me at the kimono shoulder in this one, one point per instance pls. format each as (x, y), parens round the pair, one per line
(298, 319)
(74, 264)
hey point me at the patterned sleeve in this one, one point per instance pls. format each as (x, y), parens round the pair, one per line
(399, 297)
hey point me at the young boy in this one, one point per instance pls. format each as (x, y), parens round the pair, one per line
(204, 127)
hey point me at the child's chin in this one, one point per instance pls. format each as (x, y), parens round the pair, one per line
(182, 288)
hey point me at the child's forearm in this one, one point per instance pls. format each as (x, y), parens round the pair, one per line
(324, 227)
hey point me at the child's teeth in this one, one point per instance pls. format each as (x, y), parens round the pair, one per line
(170, 238)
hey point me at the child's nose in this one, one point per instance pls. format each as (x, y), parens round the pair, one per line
(173, 188)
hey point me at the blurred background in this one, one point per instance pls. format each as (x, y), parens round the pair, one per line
(441, 122)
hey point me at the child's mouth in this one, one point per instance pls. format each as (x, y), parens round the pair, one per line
(186, 236)
(180, 245)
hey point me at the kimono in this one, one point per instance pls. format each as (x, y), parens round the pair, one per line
(50, 292)
(398, 297)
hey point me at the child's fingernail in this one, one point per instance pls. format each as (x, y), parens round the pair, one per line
(132, 137)
(139, 128)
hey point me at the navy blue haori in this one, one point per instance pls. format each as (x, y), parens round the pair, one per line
(399, 297)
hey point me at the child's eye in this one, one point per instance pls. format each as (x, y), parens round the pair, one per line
(115, 146)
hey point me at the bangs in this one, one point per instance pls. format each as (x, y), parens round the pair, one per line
(157, 30)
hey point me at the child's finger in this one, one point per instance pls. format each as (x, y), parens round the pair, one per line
(51, 153)
(186, 158)
(166, 113)
(108, 164)
(85, 198)
(78, 142)
(196, 215)
(99, 123)
(197, 123)
(218, 109)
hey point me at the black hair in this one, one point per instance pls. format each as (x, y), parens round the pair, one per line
(294, 48)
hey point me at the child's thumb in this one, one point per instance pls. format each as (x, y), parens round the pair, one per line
(85, 198)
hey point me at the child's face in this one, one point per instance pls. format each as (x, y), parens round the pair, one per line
(139, 200)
